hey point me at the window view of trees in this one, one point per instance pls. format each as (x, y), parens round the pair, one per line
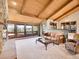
(28, 29)
(35, 30)
(10, 28)
(15, 30)
(20, 30)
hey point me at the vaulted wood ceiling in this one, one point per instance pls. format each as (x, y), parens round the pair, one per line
(35, 11)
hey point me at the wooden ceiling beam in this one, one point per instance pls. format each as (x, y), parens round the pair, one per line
(52, 8)
(60, 8)
(66, 9)
(68, 13)
(34, 7)
(23, 19)
(24, 1)
(45, 7)
(22, 23)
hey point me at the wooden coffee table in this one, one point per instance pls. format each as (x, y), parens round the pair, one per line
(43, 41)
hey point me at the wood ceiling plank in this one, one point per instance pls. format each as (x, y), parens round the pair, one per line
(69, 13)
(44, 7)
(64, 10)
(24, 19)
(33, 7)
(18, 5)
(22, 23)
(43, 2)
(54, 6)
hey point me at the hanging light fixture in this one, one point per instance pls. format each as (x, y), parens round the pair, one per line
(14, 3)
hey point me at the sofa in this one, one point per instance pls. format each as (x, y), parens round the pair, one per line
(55, 37)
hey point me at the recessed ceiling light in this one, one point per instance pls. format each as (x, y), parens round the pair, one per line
(14, 3)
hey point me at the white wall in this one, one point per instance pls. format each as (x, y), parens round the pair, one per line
(72, 17)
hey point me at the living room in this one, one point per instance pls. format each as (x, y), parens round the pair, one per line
(39, 29)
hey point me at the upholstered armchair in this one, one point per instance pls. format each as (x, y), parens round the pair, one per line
(72, 43)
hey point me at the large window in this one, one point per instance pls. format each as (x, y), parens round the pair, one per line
(70, 26)
(35, 30)
(10, 28)
(20, 30)
(28, 29)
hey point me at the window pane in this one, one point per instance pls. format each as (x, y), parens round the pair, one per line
(20, 30)
(35, 30)
(29, 29)
(10, 27)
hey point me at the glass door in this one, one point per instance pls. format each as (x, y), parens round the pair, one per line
(10, 28)
(35, 30)
(20, 30)
(29, 30)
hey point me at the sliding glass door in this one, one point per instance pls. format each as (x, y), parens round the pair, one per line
(10, 28)
(20, 30)
(29, 30)
(35, 30)
(15, 30)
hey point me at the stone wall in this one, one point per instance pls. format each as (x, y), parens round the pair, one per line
(1, 39)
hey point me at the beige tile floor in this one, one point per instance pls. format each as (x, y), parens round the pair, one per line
(28, 49)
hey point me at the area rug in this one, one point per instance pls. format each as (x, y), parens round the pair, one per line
(28, 49)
